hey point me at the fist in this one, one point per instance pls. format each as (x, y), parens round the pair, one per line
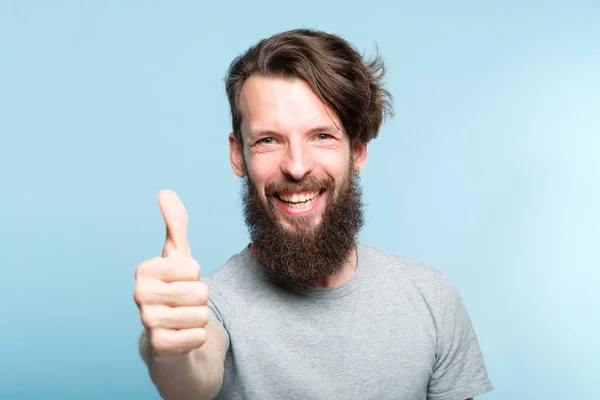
(168, 291)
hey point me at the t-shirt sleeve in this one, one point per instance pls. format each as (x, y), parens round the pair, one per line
(459, 372)
(217, 306)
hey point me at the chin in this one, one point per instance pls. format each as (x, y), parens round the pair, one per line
(310, 226)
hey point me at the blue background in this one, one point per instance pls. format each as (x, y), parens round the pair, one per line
(489, 172)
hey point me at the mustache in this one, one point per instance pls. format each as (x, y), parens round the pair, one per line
(309, 183)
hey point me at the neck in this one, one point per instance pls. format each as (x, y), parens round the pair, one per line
(338, 278)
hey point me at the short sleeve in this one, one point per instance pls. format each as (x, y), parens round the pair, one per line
(215, 304)
(459, 372)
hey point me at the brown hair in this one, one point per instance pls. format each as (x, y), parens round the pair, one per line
(336, 72)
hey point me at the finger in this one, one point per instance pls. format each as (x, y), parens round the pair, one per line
(176, 221)
(155, 317)
(170, 269)
(182, 294)
(170, 341)
(175, 294)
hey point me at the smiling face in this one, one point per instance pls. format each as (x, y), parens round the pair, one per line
(296, 152)
(302, 204)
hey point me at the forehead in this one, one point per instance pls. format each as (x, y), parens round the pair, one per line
(285, 106)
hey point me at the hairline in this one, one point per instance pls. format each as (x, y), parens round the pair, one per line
(290, 78)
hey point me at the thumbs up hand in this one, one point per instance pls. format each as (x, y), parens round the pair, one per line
(168, 291)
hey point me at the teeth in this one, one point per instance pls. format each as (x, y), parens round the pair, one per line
(299, 198)
(301, 206)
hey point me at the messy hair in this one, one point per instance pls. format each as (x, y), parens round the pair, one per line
(337, 73)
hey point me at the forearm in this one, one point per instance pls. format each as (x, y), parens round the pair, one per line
(197, 374)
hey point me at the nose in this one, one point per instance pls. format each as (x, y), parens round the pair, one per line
(298, 161)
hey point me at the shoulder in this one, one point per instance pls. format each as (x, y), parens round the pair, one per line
(424, 285)
(407, 272)
(239, 278)
(227, 272)
(235, 275)
(387, 265)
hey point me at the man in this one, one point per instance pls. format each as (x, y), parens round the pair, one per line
(304, 311)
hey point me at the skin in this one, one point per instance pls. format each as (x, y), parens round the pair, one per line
(178, 340)
(171, 297)
(289, 133)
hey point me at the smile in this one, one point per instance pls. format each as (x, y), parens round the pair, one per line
(299, 200)
(299, 203)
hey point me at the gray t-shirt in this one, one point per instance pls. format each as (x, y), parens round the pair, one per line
(397, 330)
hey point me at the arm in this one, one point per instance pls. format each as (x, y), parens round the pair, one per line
(196, 374)
(459, 370)
(183, 350)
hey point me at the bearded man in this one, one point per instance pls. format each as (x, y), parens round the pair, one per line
(305, 311)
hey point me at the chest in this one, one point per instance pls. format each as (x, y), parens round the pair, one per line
(328, 350)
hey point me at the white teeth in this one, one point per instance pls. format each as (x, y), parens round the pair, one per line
(301, 206)
(299, 198)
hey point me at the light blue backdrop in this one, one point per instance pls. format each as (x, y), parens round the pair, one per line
(489, 172)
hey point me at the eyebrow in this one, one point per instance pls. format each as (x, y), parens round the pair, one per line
(319, 129)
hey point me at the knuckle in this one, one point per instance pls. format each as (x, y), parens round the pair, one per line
(195, 268)
(167, 342)
(201, 337)
(146, 320)
(205, 292)
(139, 294)
(145, 292)
(203, 315)
(146, 267)
(139, 271)
(191, 267)
(160, 342)
(149, 319)
(201, 293)
(196, 338)
(193, 296)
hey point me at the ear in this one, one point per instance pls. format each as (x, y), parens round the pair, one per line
(360, 155)
(236, 156)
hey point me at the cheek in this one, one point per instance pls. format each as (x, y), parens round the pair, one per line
(260, 173)
(336, 165)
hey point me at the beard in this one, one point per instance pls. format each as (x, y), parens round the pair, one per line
(306, 253)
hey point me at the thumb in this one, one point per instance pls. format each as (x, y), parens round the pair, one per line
(176, 221)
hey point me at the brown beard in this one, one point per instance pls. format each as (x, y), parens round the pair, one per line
(305, 254)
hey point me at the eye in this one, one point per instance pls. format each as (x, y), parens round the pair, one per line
(267, 140)
(323, 136)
